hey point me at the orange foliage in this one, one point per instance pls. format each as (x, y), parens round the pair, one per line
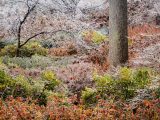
(138, 30)
(60, 109)
(62, 51)
(58, 51)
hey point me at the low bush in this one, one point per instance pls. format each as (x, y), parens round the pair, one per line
(99, 56)
(76, 77)
(124, 86)
(93, 36)
(28, 62)
(51, 80)
(89, 96)
(6, 83)
(27, 50)
(9, 50)
(104, 85)
(26, 87)
(18, 86)
(141, 77)
(62, 51)
(57, 109)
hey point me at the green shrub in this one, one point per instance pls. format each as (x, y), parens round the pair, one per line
(104, 85)
(89, 96)
(125, 73)
(141, 77)
(50, 80)
(33, 48)
(23, 87)
(15, 87)
(27, 50)
(26, 87)
(9, 50)
(5, 81)
(124, 86)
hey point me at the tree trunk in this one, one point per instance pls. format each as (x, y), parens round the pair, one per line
(18, 45)
(18, 52)
(118, 50)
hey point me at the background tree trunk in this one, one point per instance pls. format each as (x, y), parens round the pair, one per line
(118, 50)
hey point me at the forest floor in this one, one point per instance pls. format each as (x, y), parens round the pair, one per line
(146, 46)
(65, 81)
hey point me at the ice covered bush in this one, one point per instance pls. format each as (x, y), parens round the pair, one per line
(28, 62)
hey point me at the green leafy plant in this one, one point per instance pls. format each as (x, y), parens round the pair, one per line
(124, 86)
(18, 86)
(50, 79)
(141, 77)
(89, 96)
(5, 81)
(22, 87)
(28, 50)
(9, 50)
(104, 84)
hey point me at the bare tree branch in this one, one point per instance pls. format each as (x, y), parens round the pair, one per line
(29, 11)
(33, 37)
(41, 33)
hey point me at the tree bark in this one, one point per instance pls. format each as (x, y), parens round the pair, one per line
(118, 50)
(18, 41)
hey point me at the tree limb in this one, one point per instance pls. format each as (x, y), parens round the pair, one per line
(53, 32)
(33, 37)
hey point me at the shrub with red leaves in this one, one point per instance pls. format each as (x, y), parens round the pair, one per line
(63, 109)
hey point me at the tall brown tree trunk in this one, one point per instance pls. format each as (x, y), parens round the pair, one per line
(18, 42)
(18, 52)
(118, 50)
